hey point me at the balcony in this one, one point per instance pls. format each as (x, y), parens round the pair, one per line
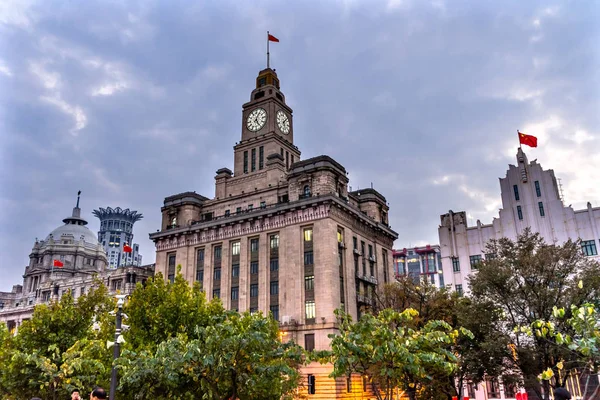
(367, 278)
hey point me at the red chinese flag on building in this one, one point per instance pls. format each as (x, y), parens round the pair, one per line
(527, 140)
(272, 38)
(58, 264)
(127, 249)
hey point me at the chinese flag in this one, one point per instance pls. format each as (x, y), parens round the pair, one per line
(527, 140)
(127, 249)
(272, 38)
(58, 264)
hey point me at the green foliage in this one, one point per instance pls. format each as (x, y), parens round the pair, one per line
(56, 350)
(158, 311)
(526, 281)
(234, 356)
(391, 351)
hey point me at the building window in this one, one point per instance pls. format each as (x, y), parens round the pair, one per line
(309, 282)
(310, 309)
(309, 341)
(254, 290)
(253, 310)
(250, 207)
(274, 241)
(254, 267)
(308, 235)
(246, 162)
(312, 383)
(538, 191)
(235, 293)
(200, 275)
(354, 243)
(541, 206)
(235, 270)
(490, 256)
(519, 213)
(340, 236)
(235, 249)
(171, 263)
(459, 289)
(274, 288)
(475, 261)
(254, 245)
(253, 160)
(275, 311)
(217, 293)
(308, 258)
(588, 247)
(274, 264)
(263, 204)
(217, 252)
(217, 274)
(238, 210)
(516, 189)
(261, 155)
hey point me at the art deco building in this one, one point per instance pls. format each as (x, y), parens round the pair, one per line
(530, 198)
(116, 230)
(421, 263)
(281, 235)
(84, 260)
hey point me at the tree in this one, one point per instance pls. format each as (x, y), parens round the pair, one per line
(580, 335)
(477, 357)
(526, 279)
(391, 352)
(56, 350)
(234, 356)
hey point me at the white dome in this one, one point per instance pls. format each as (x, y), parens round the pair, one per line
(74, 232)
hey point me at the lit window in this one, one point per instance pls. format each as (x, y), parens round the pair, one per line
(340, 236)
(310, 309)
(308, 235)
(274, 241)
(235, 249)
(309, 282)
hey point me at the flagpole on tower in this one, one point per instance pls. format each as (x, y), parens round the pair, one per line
(519, 136)
(268, 55)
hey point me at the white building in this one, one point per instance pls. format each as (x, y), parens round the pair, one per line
(421, 263)
(530, 198)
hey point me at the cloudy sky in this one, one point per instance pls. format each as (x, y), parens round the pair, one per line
(132, 101)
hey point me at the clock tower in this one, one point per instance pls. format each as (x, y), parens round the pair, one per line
(267, 127)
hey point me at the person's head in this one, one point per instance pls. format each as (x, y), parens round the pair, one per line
(560, 393)
(98, 394)
(75, 394)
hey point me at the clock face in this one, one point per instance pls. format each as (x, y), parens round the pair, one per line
(283, 122)
(256, 119)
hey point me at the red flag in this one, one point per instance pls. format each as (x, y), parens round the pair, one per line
(58, 264)
(272, 38)
(127, 249)
(527, 139)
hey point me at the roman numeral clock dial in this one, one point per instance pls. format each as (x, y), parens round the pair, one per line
(283, 122)
(256, 120)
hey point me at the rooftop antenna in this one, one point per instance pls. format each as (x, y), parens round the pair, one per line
(78, 195)
(371, 185)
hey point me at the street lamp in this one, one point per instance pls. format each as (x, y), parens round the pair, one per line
(118, 340)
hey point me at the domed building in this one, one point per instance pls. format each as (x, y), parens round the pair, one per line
(70, 258)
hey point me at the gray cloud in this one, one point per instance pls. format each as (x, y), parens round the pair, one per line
(133, 102)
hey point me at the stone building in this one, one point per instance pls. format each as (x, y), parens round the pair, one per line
(530, 198)
(421, 263)
(116, 230)
(84, 260)
(281, 235)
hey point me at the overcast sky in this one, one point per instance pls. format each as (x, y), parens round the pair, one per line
(132, 101)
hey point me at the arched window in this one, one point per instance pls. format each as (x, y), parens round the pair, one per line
(306, 191)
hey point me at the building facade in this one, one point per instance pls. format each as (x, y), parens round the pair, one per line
(530, 198)
(281, 235)
(421, 263)
(116, 230)
(84, 262)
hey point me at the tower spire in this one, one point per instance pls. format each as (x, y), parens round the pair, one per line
(78, 195)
